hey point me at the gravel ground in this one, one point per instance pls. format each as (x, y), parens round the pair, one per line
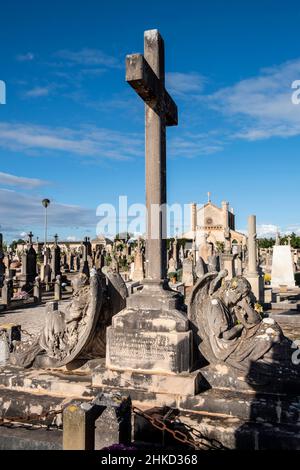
(31, 319)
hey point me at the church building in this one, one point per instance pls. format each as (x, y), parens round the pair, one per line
(214, 224)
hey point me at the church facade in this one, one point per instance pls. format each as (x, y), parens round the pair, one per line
(214, 224)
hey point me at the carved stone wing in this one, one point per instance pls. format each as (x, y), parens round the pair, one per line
(199, 293)
(92, 314)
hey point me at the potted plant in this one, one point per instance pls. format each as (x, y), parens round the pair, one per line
(173, 277)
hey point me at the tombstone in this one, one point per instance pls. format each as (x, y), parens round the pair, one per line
(99, 258)
(7, 292)
(9, 334)
(175, 252)
(37, 290)
(2, 264)
(172, 265)
(55, 260)
(282, 267)
(152, 333)
(57, 288)
(71, 261)
(181, 255)
(7, 260)
(102, 423)
(227, 262)
(2, 269)
(238, 263)
(64, 261)
(204, 248)
(29, 266)
(47, 276)
(45, 266)
(4, 348)
(77, 262)
(138, 266)
(194, 252)
(85, 268)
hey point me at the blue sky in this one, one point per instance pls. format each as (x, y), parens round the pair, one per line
(72, 130)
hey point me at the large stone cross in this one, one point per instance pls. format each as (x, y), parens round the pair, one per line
(146, 74)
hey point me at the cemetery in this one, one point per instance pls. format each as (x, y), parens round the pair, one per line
(187, 342)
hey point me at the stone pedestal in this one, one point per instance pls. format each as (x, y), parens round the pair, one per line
(257, 285)
(228, 264)
(188, 273)
(150, 334)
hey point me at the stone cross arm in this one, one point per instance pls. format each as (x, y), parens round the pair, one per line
(150, 88)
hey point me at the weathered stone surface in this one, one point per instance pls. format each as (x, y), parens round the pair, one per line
(235, 433)
(183, 384)
(151, 333)
(114, 423)
(15, 404)
(222, 376)
(60, 383)
(188, 276)
(16, 438)
(156, 351)
(254, 407)
(78, 427)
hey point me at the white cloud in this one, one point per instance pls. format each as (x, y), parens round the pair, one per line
(38, 91)
(267, 230)
(191, 145)
(293, 229)
(71, 238)
(87, 141)
(20, 212)
(100, 143)
(179, 83)
(28, 57)
(261, 107)
(88, 57)
(21, 181)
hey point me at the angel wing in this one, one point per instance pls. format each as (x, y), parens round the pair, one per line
(199, 308)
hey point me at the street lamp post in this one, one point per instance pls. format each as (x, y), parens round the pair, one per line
(46, 203)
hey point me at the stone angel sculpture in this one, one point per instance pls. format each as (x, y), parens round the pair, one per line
(228, 330)
(77, 331)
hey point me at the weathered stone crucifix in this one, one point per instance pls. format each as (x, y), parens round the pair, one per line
(30, 237)
(146, 74)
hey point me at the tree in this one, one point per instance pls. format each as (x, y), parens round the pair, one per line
(266, 242)
(17, 242)
(123, 236)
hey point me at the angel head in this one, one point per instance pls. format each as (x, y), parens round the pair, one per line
(234, 290)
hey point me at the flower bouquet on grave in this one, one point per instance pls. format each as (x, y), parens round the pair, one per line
(22, 295)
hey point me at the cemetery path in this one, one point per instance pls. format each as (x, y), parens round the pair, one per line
(31, 319)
